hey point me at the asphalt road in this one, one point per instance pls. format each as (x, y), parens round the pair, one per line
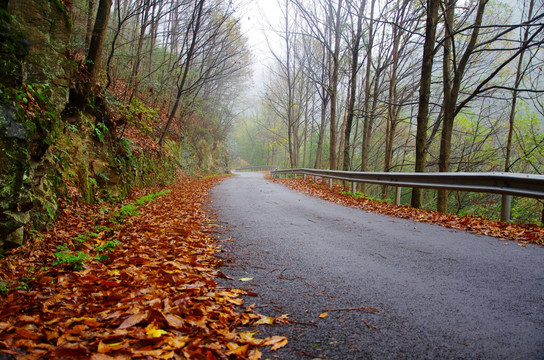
(440, 293)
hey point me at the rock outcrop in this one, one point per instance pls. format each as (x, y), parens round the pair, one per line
(34, 88)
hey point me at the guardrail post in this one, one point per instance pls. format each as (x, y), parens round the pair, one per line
(296, 176)
(304, 176)
(398, 193)
(330, 182)
(353, 187)
(506, 203)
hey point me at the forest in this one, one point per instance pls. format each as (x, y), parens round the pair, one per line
(120, 118)
(99, 96)
(403, 86)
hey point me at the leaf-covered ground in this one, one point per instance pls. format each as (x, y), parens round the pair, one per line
(127, 281)
(504, 231)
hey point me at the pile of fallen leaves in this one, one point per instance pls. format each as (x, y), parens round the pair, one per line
(502, 230)
(128, 281)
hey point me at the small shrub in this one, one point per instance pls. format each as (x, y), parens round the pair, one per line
(75, 259)
(151, 197)
(124, 212)
(107, 246)
(102, 257)
(81, 238)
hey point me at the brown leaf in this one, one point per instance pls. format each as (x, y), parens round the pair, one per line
(27, 334)
(174, 321)
(133, 320)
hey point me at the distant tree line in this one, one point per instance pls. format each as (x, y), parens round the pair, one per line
(402, 85)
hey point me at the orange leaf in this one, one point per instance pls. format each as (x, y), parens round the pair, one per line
(235, 349)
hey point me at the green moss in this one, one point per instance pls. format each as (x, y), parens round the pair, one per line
(5, 16)
(64, 11)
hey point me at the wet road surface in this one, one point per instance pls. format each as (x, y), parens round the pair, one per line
(439, 293)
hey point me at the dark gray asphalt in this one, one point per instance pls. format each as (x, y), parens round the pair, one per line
(441, 294)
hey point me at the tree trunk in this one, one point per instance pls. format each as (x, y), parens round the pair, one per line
(334, 86)
(367, 120)
(451, 90)
(515, 96)
(424, 94)
(136, 68)
(321, 136)
(90, 17)
(196, 21)
(392, 109)
(353, 87)
(97, 40)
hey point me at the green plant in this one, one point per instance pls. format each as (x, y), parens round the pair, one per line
(93, 181)
(81, 238)
(100, 228)
(64, 256)
(361, 196)
(100, 130)
(4, 286)
(151, 197)
(103, 177)
(125, 211)
(138, 114)
(24, 283)
(71, 127)
(108, 246)
(102, 257)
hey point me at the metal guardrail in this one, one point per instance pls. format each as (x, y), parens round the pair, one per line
(258, 168)
(507, 184)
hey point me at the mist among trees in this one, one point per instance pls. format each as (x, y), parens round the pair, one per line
(403, 86)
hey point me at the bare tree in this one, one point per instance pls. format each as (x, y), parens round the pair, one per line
(356, 40)
(452, 77)
(424, 93)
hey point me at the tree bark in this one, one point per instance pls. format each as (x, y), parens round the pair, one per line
(321, 136)
(94, 55)
(353, 86)
(334, 87)
(196, 21)
(424, 94)
(136, 67)
(90, 16)
(452, 88)
(368, 117)
(515, 96)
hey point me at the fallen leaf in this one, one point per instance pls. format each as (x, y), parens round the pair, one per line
(152, 331)
(323, 315)
(133, 320)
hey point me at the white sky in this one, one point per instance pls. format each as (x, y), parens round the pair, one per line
(256, 17)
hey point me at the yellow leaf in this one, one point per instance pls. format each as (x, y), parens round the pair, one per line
(237, 350)
(255, 354)
(277, 341)
(172, 271)
(265, 320)
(235, 301)
(82, 318)
(323, 315)
(245, 279)
(153, 331)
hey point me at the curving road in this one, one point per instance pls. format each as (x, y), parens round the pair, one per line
(439, 293)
